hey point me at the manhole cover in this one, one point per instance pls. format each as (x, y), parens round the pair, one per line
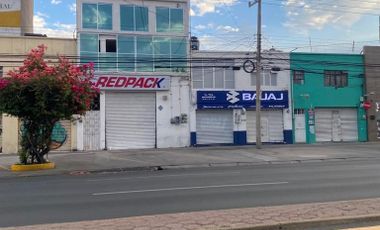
(79, 173)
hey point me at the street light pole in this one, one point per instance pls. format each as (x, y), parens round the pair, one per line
(258, 73)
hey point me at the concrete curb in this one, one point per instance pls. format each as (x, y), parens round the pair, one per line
(58, 171)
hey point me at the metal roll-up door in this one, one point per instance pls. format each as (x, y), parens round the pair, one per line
(276, 125)
(272, 126)
(323, 125)
(349, 124)
(214, 127)
(130, 120)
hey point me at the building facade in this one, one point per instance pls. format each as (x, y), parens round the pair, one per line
(328, 94)
(14, 50)
(223, 98)
(372, 93)
(139, 49)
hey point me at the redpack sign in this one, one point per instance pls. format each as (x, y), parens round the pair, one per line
(111, 82)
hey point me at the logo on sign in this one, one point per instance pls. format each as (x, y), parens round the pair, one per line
(132, 82)
(232, 97)
(264, 97)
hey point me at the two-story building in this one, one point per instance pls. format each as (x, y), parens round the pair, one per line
(328, 97)
(139, 49)
(223, 98)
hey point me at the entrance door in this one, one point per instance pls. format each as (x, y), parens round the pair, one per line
(300, 126)
(91, 130)
(271, 126)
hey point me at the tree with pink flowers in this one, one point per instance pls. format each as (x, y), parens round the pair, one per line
(40, 93)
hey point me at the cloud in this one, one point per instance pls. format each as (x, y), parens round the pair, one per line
(56, 2)
(56, 30)
(73, 7)
(201, 7)
(306, 15)
(227, 29)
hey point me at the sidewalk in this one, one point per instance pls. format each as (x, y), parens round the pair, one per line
(331, 215)
(150, 159)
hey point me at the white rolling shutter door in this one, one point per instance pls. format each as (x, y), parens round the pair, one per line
(276, 125)
(130, 120)
(214, 127)
(349, 124)
(323, 125)
(272, 126)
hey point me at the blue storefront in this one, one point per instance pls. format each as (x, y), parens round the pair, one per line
(228, 117)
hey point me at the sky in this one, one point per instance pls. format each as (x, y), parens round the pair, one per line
(342, 26)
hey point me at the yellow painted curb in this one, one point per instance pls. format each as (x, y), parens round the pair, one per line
(19, 167)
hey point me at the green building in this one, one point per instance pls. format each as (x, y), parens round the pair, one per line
(327, 94)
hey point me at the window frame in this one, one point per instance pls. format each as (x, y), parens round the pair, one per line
(299, 77)
(335, 78)
(97, 15)
(267, 76)
(214, 68)
(134, 18)
(170, 28)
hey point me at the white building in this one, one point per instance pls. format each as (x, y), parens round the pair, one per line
(140, 51)
(223, 98)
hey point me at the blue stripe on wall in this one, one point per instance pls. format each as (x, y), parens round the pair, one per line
(193, 138)
(288, 136)
(240, 137)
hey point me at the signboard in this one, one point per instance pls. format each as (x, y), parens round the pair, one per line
(10, 13)
(113, 82)
(241, 99)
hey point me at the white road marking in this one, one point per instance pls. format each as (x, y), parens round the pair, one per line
(189, 188)
(177, 175)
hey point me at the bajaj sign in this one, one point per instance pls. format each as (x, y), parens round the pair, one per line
(241, 99)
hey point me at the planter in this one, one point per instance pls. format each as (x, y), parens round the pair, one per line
(32, 167)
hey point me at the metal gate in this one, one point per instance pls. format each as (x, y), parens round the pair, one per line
(91, 130)
(272, 126)
(300, 126)
(214, 127)
(130, 120)
(336, 125)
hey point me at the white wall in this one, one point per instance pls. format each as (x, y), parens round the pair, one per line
(173, 103)
(243, 82)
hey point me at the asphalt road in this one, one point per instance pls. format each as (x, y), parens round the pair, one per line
(56, 199)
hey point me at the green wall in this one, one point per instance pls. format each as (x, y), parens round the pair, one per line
(313, 94)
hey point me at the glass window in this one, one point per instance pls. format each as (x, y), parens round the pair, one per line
(126, 52)
(176, 20)
(299, 77)
(169, 20)
(161, 47)
(209, 78)
(110, 46)
(127, 18)
(89, 16)
(273, 79)
(105, 16)
(178, 49)
(219, 78)
(162, 19)
(1, 71)
(337, 79)
(141, 18)
(144, 58)
(89, 48)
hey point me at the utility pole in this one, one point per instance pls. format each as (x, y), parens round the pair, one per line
(258, 73)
